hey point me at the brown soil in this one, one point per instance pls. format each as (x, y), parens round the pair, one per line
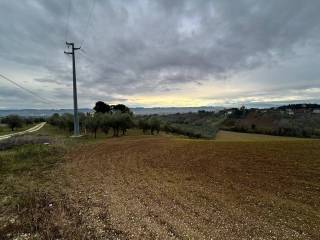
(166, 188)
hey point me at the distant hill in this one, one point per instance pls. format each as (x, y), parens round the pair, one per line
(300, 106)
(38, 112)
(138, 111)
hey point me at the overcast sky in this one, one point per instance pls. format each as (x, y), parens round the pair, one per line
(161, 53)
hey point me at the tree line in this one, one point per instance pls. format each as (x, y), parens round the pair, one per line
(119, 122)
(117, 119)
(105, 118)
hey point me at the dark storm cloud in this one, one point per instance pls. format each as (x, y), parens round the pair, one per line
(141, 46)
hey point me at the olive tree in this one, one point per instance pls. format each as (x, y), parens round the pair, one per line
(94, 123)
(14, 121)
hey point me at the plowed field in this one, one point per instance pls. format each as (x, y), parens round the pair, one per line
(167, 188)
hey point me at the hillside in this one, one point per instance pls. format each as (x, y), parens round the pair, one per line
(201, 124)
(161, 187)
(297, 122)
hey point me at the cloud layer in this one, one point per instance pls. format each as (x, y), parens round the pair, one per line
(159, 52)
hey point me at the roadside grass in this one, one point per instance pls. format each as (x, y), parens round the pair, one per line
(4, 130)
(52, 131)
(25, 185)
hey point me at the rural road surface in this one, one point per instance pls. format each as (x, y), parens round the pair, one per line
(30, 130)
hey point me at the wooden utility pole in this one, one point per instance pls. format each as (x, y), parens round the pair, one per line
(75, 97)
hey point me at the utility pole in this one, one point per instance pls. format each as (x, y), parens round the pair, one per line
(75, 97)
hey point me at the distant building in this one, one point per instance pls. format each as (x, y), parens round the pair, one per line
(229, 112)
(316, 111)
(290, 111)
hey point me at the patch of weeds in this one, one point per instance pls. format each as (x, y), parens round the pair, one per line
(23, 140)
(35, 200)
(29, 158)
(26, 186)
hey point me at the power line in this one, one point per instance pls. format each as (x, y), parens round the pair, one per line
(68, 19)
(83, 53)
(88, 21)
(42, 99)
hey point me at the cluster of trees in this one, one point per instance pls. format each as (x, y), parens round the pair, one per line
(117, 121)
(151, 124)
(117, 117)
(102, 107)
(105, 118)
(16, 121)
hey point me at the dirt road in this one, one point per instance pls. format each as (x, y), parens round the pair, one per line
(165, 188)
(30, 130)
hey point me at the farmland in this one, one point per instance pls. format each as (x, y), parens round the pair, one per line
(163, 187)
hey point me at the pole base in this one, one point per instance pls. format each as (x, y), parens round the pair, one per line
(76, 136)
